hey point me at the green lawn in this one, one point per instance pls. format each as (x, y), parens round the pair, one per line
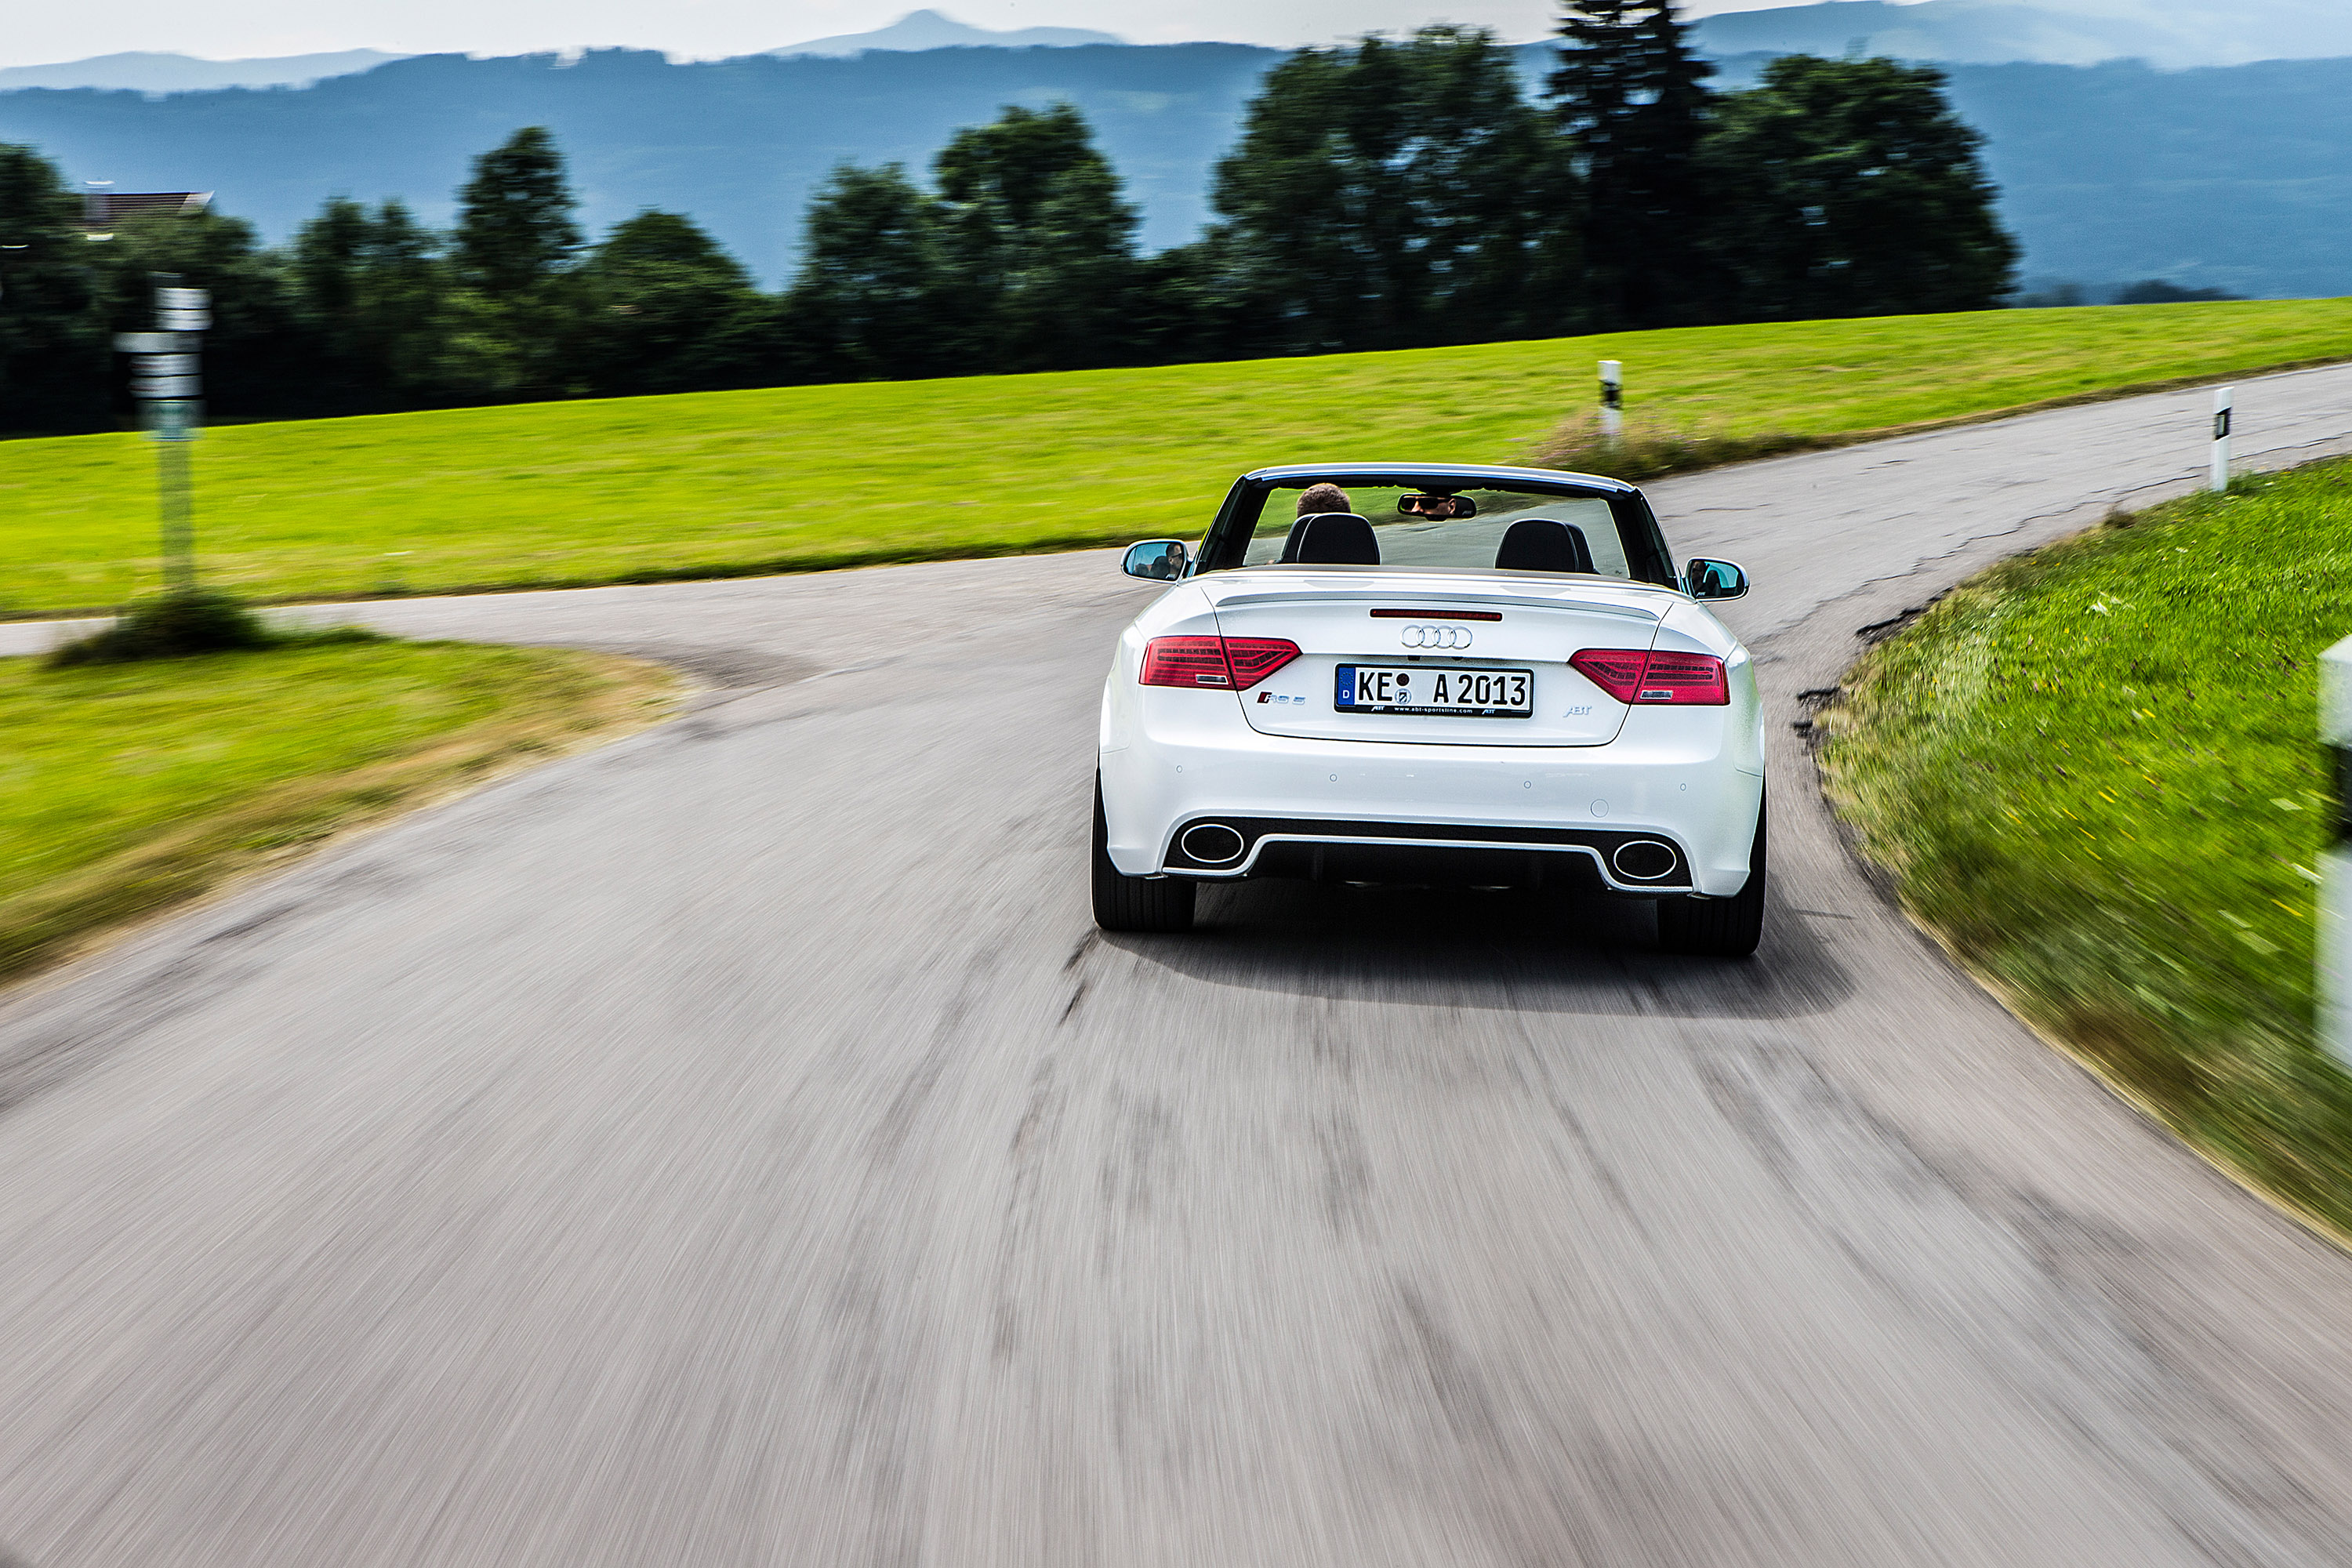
(793, 478)
(2095, 771)
(125, 788)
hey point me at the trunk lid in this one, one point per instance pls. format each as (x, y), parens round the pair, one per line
(1499, 621)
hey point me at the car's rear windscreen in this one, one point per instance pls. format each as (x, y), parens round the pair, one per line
(1511, 531)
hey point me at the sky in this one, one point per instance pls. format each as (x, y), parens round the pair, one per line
(238, 29)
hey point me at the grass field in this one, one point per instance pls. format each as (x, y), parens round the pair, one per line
(2095, 774)
(125, 788)
(719, 483)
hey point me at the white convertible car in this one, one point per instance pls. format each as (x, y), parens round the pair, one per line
(1433, 674)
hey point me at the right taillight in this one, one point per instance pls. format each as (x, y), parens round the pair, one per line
(1633, 675)
(1227, 663)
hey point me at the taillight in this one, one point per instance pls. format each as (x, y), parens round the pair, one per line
(1616, 670)
(1255, 658)
(1632, 675)
(1234, 664)
(1686, 678)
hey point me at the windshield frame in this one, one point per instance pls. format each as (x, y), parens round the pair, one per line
(1228, 540)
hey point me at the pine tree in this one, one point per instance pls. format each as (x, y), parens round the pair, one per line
(1630, 95)
(515, 231)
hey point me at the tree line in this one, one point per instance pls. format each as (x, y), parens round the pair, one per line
(1390, 192)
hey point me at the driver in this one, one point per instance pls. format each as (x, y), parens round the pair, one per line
(1436, 507)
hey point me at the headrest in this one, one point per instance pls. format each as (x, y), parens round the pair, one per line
(1331, 539)
(1540, 544)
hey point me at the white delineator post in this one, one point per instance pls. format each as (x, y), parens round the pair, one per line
(1612, 399)
(2222, 409)
(2334, 953)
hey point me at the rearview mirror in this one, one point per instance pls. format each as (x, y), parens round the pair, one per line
(1438, 508)
(1160, 560)
(1705, 579)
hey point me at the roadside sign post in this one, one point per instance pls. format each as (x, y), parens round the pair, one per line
(167, 379)
(1612, 399)
(2334, 953)
(2224, 401)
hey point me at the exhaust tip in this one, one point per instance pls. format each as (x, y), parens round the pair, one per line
(1211, 844)
(1643, 860)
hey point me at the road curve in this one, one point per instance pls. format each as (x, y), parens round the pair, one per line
(736, 1147)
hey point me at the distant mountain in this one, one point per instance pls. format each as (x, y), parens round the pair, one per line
(2236, 178)
(739, 144)
(930, 30)
(185, 73)
(2169, 33)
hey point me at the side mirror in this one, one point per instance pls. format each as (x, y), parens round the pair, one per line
(1705, 579)
(1160, 560)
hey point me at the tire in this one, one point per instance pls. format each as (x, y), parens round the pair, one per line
(1718, 928)
(1136, 903)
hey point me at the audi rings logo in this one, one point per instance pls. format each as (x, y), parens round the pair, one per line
(1438, 636)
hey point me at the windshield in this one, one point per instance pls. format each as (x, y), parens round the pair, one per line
(1513, 531)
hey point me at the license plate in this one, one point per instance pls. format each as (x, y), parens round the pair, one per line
(1418, 689)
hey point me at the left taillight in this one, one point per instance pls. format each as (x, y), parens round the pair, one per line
(1630, 675)
(1226, 664)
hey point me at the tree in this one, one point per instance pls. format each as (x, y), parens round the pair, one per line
(403, 306)
(513, 254)
(1392, 194)
(1630, 95)
(869, 301)
(326, 268)
(1852, 189)
(1192, 303)
(1038, 241)
(515, 231)
(371, 291)
(56, 364)
(661, 297)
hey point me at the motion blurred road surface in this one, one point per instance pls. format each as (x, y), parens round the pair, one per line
(737, 1147)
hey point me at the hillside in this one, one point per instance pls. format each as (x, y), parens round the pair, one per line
(732, 483)
(2237, 177)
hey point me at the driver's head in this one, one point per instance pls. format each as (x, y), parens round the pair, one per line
(1437, 508)
(1323, 498)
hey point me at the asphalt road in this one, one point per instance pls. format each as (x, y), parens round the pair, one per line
(737, 1147)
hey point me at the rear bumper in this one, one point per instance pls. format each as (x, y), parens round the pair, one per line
(1503, 814)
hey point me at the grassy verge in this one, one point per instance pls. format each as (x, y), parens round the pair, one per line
(128, 788)
(798, 478)
(2093, 773)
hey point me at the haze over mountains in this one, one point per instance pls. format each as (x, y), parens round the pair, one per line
(185, 73)
(2238, 178)
(2172, 34)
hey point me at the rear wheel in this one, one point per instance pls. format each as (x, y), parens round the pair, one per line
(1135, 903)
(1718, 928)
